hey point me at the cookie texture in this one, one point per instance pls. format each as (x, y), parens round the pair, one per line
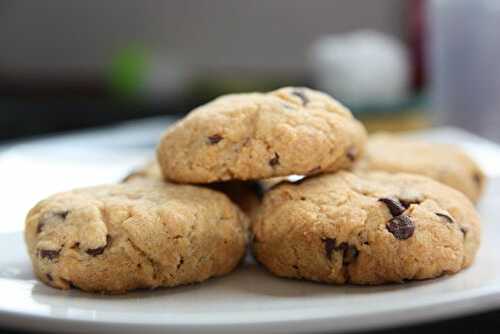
(372, 228)
(261, 135)
(245, 194)
(142, 234)
(444, 163)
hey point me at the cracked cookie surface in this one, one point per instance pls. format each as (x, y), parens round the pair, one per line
(261, 135)
(445, 163)
(141, 234)
(371, 228)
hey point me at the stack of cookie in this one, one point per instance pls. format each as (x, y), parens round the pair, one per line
(188, 217)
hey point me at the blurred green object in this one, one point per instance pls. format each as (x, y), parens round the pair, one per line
(128, 70)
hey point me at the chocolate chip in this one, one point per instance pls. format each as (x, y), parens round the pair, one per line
(39, 228)
(402, 227)
(330, 245)
(70, 283)
(214, 139)
(407, 202)
(49, 254)
(350, 255)
(315, 170)
(95, 251)
(349, 252)
(300, 94)
(181, 262)
(463, 230)
(76, 245)
(393, 205)
(49, 277)
(51, 216)
(352, 153)
(477, 178)
(275, 160)
(445, 216)
(98, 250)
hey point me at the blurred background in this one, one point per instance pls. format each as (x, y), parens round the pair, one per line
(398, 65)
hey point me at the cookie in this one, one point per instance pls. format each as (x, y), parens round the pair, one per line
(142, 234)
(150, 170)
(369, 229)
(261, 135)
(447, 164)
(245, 194)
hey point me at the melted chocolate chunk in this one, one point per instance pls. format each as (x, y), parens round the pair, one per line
(402, 227)
(49, 254)
(393, 205)
(51, 216)
(445, 216)
(275, 160)
(214, 139)
(407, 202)
(351, 153)
(300, 94)
(98, 250)
(330, 245)
(349, 252)
(49, 277)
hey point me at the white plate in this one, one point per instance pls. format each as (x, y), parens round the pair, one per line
(247, 301)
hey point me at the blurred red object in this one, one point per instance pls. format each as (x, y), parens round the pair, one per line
(416, 31)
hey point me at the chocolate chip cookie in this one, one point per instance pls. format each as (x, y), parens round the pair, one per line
(142, 234)
(245, 194)
(365, 229)
(261, 135)
(447, 164)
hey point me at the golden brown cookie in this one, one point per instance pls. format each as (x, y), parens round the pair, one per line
(365, 229)
(447, 164)
(261, 135)
(142, 234)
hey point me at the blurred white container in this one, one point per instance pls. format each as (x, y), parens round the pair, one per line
(361, 68)
(464, 64)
